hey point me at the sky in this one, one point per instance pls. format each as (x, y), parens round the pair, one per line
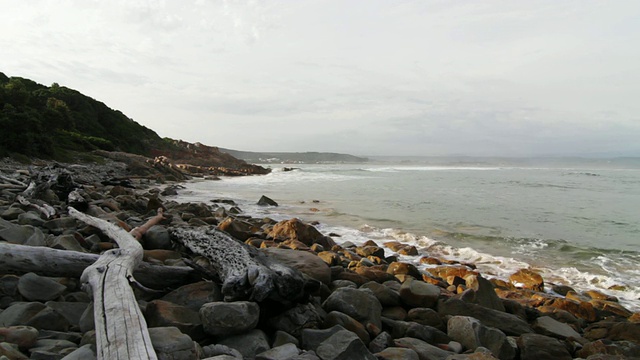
(364, 77)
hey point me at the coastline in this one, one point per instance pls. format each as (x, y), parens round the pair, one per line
(435, 303)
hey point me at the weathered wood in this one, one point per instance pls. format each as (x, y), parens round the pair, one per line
(47, 210)
(121, 330)
(21, 259)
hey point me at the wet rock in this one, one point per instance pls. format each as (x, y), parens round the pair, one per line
(285, 351)
(337, 318)
(20, 313)
(86, 352)
(157, 237)
(297, 230)
(222, 318)
(527, 279)
(266, 201)
(397, 353)
(248, 344)
(383, 293)
(424, 350)
(626, 349)
(536, 347)
(582, 310)
(614, 331)
(507, 323)
(306, 262)
(71, 311)
(361, 305)
(343, 345)
(450, 271)
(171, 344)
(195, 295)
(546, 325)
(24, 337)
(402, 268)
(483, 292)
(159, 313)
(295, 320)
(238, 229)
(472, 334)
(415, 293)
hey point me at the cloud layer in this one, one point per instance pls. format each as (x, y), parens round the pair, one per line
(381, 77)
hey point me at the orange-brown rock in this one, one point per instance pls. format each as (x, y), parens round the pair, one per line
(374, 274)
(635, 318)
(401, 268)
(239, 229)
(598, 295)
(349, 255)
(160, 255)
(369, 243)
(432, 280)
(268, 243)
(609, 308)
(409, 251)
(527, 279)
(445, 271)
(296, 245)
(430, 260)
(294, 229)
(394, 245)
(352, 276)
(366, 251)
(330, 258)
(255, 242)
(582, 310)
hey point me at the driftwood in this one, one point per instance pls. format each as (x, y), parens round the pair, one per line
(21, 259)
(246, 272)
(121, 330)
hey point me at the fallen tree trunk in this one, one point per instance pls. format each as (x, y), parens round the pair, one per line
(21, 259)
(121, 330)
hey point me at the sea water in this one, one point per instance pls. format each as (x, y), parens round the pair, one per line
(577, 224)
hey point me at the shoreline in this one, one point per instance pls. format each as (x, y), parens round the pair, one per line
(435, 303)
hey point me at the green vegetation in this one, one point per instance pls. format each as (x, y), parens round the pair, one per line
(54, 122)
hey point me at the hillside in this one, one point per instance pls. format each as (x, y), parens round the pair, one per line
(56, 122)
(294, 157)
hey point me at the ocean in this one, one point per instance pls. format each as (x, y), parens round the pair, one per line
(577, 222)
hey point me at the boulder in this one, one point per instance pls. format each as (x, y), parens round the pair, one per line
(424, 350)
(248, 344)
(306, 262)
(401, 268)
(415, 293)
(215, 351)
(195, 295)
(11, 352)
(343, 345)
(12, 213)
(20, 313)
(381, 342)
(397, 353)
(297, 230)
(71, 311)
(624, 349)
(383, 293)
(507, 323)
(21, 235)
(266, 201)
(227, 318)
(85, 352)
(395, 313)
(536, 347)
(310, 339)
(49, 319)
(614, 331)
(59, 225)
(547, 325)
(30, 218)
(361, 305)
(285, 351)
(171, 344)
(159, 313)
(67, 242)
(472, 334)
(24, 337)
(481, 292)
(295, 320)
(34, 287)
(527, 279)
(337, 318)
(426, 316)
(281, 338)
(157, 237)
(238, 229)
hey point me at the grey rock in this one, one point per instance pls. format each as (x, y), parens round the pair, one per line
(12, 213)
(426, 333)
(72, 311)
(536, 347)
(222, 318)
(11, 352)
(507, 323)
(307, 263)
(74, 337)
(20, 313)
(381, 342)
(195, 295)
(223, 357)
(361, 305)
(397, 353)
(30, 218)
(67, 242)
(295, 320)
(249, 344)
(426, 316)
(171, 344)
(285, 351)
(265, 201)
(159, 313)
(49, 319)
(9, 290)
(415, 293)
(481, 292)
(87, 320)
(221, 350)
(472, 334)
(384, 294)
(337, 318)
(22, 336)
(157, 237)
(336, 284)
(546, 325)
(424, 350)
(39, 288)
(281, 338)
(22, 235)
(312, 338)
(344, 345)
(52, 346)
(85, 352)
(59, 225)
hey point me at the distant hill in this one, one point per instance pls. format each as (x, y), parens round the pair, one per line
(294, 157)
(55, 122)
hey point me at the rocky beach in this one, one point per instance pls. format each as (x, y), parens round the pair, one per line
(296, 294)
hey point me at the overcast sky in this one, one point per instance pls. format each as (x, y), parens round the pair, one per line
(508, 78)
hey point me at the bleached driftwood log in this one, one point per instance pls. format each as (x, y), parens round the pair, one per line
(22, 259)
(121, 330)
(246, 272)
